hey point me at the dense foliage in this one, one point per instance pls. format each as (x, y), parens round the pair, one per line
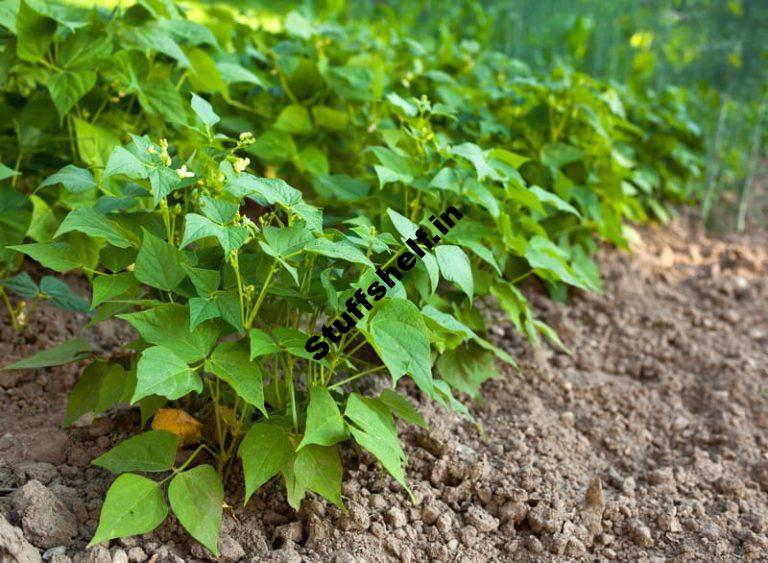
(227, 183)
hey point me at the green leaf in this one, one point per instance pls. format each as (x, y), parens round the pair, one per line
(204, 111)
(341, 186)
(163, 181)
(154, 37)
(22, 285)
(466, 368)
(6, 172)
(233, 73)
(148, 452)
(92, 223)
(228, 303)
(294, 119)
(292, 341)
(455, 267)
(201, 310)
(161, 372)
(65, 353)
(265, 191)
(99, 387)
(61, 295)
(197, 498)
(204, 77)
(262, 343)
(149, 406)
(191, 33)
(403, 225)
(60, 256)
(168, 325)
(230, 361)
(265, 450)
(34, 33)
(218, 210)
(545, 256)
(159, 264)
(338, 249)
(549, 198)
(330, 118)
(134, 505)
(450, 332)
(397, 332)
(373, 429)
(94, 144)
(197, 227)
(560, 154)
(44, 221)
(273, 147)
(86, 49)
(108, 287)
(294, 490)
(205, 281)
(400, 406)
(318, 468)
(324, 425)
(75, 180)
(123, 162)
(68, 87)
(285, 241)
(476, 156)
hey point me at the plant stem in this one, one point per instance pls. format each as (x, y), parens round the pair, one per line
(276, 384)
(714, 159)
(292, 393)
(16, 169)
(236, 268)
(260, 298)
(189, 459)
(11, 310)
(356, 376)
(753, 156)
(359, 345)
(219, 435)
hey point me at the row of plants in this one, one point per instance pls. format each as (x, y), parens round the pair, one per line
(226, 184)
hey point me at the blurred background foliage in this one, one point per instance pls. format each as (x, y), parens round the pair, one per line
(709, 56)
(713, 54)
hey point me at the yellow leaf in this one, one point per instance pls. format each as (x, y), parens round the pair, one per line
(180, 423)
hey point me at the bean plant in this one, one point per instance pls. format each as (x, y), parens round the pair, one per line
(227, 188)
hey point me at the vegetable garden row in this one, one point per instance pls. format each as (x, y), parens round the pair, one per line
(226, 183)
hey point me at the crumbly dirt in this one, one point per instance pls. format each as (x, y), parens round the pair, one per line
(648, 443)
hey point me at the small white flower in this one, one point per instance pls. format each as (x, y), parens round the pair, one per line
(184, 173)
(151, 149)
(241, 164)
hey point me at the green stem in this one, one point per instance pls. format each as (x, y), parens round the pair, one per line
(276, 384)
(219, 435)
(11, 310)
(292, 393)
(355, 377)
(101, 108)
(359, 345)
(236, 268)
(260, 298)
(16, 169)
(752, 166)
(189, 459)
(521, 277)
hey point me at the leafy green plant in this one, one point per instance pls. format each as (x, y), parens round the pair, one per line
(223, 305)
(49, 289)
(225, 250)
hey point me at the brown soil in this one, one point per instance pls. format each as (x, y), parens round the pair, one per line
(647, 444)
